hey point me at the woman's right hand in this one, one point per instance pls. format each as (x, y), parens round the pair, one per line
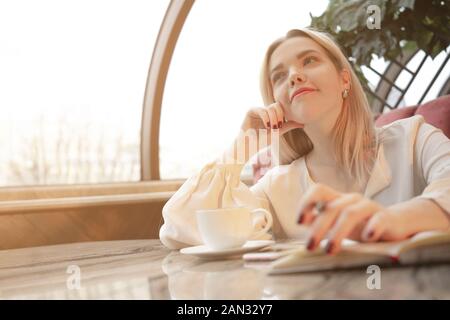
(270, 118)
(267, 121)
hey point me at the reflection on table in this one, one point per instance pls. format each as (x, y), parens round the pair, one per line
(144, 269)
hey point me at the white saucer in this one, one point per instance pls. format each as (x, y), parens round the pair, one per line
(207, 253)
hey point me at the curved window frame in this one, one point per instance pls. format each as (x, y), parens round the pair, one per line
(169, 32)
(389, 77)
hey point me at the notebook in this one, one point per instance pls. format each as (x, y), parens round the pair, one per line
(424, 247)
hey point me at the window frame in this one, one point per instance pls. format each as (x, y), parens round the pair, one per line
(169, 32)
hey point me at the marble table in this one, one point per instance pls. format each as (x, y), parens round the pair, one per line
(145, 269)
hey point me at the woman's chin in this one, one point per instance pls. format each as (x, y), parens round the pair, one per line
(302, 113)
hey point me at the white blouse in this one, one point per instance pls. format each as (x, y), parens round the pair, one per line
(413, 160)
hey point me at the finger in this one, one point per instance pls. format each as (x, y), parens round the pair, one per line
(347, 220)
(319, 228)
(318, 192)
(375, 227)
(344, 201)
(308, 216)
(326, 220)
(357, 231)
(262, 113)
(293, 124)
(280, 114)
(273, 118)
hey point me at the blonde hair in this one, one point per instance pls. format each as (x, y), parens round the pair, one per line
(354, 131)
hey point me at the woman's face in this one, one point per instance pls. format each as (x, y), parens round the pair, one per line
(300, 62)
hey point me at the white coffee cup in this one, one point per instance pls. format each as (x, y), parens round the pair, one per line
(231, 227)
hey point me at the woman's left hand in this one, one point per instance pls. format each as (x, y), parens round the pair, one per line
(347, 215)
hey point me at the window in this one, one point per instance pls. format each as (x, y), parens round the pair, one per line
(377, 64)
(421, 79)
(72, 84)
(214, 76)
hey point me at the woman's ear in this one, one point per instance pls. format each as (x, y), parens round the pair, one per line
(345, 77)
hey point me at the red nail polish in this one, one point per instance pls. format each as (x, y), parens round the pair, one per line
(274, 126)
(310, 245)
(301, 218)
(279, 124)
(329, 247)
(370, 234)
(268, 124)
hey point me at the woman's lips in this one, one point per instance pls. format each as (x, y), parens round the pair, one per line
(302, 93)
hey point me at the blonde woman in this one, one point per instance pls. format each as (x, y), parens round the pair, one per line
(338, 177)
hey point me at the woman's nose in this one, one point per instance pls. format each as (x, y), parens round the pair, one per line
(296, 78)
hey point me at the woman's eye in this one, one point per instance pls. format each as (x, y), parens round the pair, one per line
(277, 76)
(308, 60)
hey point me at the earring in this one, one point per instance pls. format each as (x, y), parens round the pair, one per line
(345, 94)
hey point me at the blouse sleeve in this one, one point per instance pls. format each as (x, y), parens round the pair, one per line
(217, 185)
(433, 155)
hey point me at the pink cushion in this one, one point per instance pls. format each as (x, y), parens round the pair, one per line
(436, 112)
(394, 115)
